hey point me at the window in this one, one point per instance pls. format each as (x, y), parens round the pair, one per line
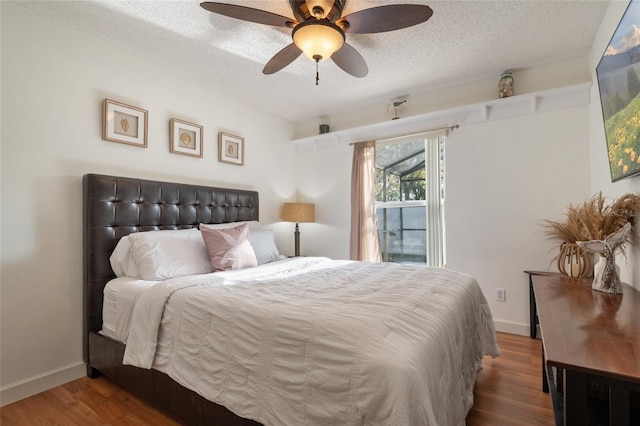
(410, 200)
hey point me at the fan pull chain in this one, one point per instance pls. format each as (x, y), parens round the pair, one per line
(317, 58)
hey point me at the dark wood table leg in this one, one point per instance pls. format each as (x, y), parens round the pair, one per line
(533, 314)
(575, 398)
(619, 406)
(545, 378)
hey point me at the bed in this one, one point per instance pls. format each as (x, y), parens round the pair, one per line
(289, 341)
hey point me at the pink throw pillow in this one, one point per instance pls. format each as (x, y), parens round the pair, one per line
(229, 248)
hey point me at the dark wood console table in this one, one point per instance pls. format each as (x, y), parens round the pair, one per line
(594, 338)
(533, 313)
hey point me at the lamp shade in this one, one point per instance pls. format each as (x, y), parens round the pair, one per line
(299, 212)
(318, 39)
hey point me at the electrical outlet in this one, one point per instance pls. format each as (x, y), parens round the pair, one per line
(501, 295)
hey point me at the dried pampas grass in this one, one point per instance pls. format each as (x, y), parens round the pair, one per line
(594, 219)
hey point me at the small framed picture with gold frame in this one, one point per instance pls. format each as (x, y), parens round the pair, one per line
(124, 124)
(230, 149)
(186, 138)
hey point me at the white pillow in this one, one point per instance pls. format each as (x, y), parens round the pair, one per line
(253, 225)
(121, 260)
(264, 245)
(160, 255)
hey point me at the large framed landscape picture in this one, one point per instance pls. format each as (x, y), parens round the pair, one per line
(618, 80)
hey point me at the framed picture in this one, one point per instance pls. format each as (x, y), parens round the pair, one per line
(619, 83)
(186, 138)
(124, 124)
(230, 149)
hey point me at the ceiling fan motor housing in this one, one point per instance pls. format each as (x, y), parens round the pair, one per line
(302, 11)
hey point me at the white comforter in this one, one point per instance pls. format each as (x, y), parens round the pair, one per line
(312, 341)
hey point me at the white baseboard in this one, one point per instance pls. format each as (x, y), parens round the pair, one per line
(24, 388)
(511, 327)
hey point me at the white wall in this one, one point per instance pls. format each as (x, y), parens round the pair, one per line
(54, 80)
(502, 178)
(600, 175)
(324, 178)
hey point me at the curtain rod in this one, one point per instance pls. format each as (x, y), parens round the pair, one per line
(450, 128)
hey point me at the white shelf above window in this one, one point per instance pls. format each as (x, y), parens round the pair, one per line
(497, 109)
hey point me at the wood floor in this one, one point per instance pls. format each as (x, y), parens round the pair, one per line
(508, 392)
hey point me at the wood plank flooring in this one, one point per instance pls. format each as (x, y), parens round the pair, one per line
(507, 392)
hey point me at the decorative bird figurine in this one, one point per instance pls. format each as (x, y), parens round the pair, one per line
(396, 105)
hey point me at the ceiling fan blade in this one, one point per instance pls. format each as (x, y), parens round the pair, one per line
(282, 59)
(350, 61)
(248, 14)
(386, 18)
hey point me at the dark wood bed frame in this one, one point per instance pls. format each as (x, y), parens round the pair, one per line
(117, 206)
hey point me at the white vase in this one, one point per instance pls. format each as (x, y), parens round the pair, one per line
(606, 276)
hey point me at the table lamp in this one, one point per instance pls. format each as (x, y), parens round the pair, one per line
(298, 212)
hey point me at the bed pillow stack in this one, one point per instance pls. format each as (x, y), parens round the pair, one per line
(160, 255)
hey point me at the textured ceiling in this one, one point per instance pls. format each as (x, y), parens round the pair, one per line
(463, 41)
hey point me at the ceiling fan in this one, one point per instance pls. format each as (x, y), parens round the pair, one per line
(319, 29)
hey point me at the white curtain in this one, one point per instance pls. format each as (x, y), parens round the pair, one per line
(364, 223)
(435, 209)
(433, 144)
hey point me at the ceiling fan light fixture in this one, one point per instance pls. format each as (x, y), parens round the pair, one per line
(319, 28)
(318, 38)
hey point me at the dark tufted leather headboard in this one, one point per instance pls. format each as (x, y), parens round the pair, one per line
(117, 206)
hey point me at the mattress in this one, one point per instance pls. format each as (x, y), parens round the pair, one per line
(120, 296)
(313, 341)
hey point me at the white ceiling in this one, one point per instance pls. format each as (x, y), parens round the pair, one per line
(463, 41)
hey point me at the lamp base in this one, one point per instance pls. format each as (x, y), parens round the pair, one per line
(297, 241)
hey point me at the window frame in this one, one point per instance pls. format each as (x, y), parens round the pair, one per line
(434, 250)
